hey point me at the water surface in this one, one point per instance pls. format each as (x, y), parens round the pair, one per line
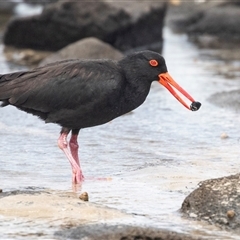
(154, 156)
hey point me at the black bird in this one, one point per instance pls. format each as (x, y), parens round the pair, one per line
(77, 94)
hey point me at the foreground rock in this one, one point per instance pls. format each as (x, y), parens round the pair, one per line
(216, 201)
(50, 205)
(67, 217)
(120, 232)
(211, 24)
(52, 210)
(124, 25)
(88, 48)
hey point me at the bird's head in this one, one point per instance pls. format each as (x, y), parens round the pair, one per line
(152, 66)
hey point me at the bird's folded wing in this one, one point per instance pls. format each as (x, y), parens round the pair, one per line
(62, 85)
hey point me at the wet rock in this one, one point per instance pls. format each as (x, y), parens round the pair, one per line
(7, 7)
(228, 100)
(207, 41)
(224, 136)
(47, 205)
(120, 232)
(124, 25)
(216, 201)
(84, 196)
(230, 214)
(88, 48)
(42, 2)
(6, 11)
(226, 64)
(210, 24)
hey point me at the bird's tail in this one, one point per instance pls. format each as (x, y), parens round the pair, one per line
(7, 85)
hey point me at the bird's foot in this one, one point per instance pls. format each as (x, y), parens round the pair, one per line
(77, 177)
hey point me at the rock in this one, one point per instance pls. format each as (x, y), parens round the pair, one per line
(47, 206)
(7, 7)
(144, 30)
(210, 22)
(229, 100)
(224, 136)
(84, 196)
(216, 201)
(207, 41)
(230, 214)
(124, 25)
(89, 48)
(69, 218)
(221, 21)
(41, 2)
(117, 232)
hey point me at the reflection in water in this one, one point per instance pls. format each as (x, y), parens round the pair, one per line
(151, 158)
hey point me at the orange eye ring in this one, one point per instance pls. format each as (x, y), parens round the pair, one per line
(153, 62)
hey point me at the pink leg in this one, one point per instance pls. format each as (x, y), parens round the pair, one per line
(77, 176)
(73, 144)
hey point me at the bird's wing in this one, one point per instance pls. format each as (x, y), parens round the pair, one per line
(62, 85)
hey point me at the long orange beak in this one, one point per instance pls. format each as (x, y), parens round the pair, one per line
(166, 80)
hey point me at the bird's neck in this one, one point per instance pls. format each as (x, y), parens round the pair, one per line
(135, 93)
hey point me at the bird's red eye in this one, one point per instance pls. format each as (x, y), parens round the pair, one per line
(153, 62)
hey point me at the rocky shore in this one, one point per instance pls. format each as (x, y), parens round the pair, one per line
(109, 29)
(214, 27)
(75, 218)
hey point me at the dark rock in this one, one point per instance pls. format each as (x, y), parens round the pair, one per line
(216, 201)
(213, 19)
(7, 7)
(124, 25)
(145, 27)
(120, 232)
(89, 48)
(41, 2)
(229, 100)
(223, 22)
(63, 23)
(232, 2)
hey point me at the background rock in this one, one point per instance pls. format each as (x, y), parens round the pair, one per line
(228, 100)
(42, 2)
(89, 48)
(216, 201)
(214, 27)
(7, 7)
(123, 25)
(214, 19)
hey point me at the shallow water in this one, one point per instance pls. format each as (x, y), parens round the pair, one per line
(153, 157)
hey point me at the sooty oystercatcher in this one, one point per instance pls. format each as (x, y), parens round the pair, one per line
(77, 94)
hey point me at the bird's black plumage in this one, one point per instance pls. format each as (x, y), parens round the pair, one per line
(82, 93)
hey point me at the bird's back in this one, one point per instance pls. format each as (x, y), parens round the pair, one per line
(70, 93)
